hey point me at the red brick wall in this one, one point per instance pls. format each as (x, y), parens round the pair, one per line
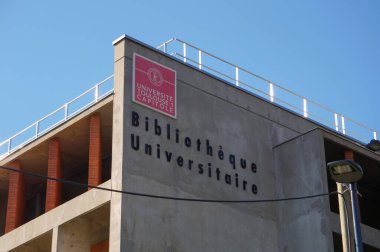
(95, 151)
(54, 188)
(16, 198)
(101, 246)
(349, 155)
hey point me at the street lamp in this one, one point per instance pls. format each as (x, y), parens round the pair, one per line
(374, 145)
(349, 172)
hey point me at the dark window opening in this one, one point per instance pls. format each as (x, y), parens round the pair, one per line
(35, 200)
(337, 240)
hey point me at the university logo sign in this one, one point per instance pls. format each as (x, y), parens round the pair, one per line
(154, 86)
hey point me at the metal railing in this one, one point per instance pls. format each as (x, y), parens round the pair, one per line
(208, 62)
(70, 109)
(274, 93)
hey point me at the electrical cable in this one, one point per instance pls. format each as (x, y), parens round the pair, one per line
(161, 196)
(188, 199)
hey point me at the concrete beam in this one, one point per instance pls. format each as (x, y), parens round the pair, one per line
(47, 222)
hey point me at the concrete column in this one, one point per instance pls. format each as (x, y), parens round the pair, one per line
(54, 240)
(95, 152)
(16, 198)
(118, 138)
(54, 188)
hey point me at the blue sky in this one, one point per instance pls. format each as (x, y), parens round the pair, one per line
(327, 51)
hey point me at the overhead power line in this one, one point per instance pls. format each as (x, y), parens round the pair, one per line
(28, 173)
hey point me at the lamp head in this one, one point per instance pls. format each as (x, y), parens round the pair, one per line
(345, 171)
(374, 145)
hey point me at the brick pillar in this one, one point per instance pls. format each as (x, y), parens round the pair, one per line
(349, 155)
(16, 198)
(102, 246)
(95, 151)
(54, 188)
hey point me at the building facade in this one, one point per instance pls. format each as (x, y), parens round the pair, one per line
(171, 129)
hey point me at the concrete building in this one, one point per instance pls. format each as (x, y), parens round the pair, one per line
(189, 135)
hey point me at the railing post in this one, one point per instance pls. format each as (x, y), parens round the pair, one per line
(305, 108)
(200, 59)
(271, 92)
(343, 125)
(66, 111)
(37, 128)
(9, 145)
(237, 75)
(165, 47)
(336, 122)
(184, 52)
(96, 93)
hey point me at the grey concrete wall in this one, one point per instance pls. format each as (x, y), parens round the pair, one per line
(301, 171)
(244, 126)
(73, 236)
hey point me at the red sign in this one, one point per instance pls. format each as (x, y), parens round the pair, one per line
(154, 86)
